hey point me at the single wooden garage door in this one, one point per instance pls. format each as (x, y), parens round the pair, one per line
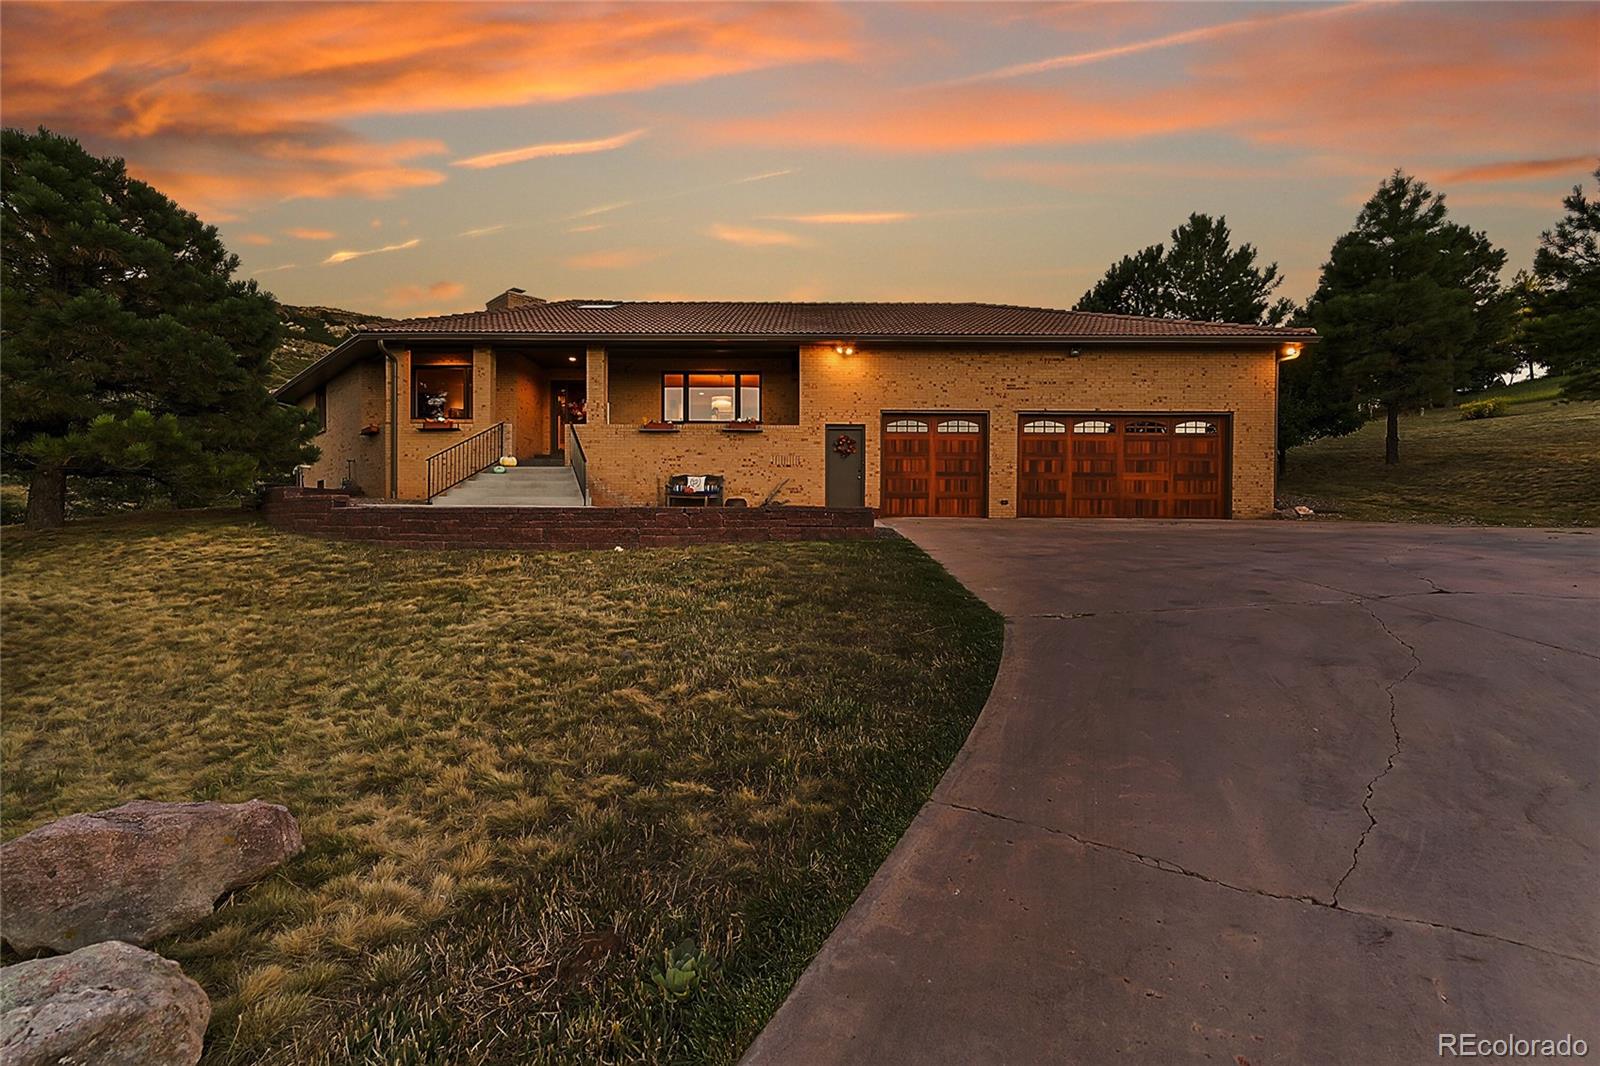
(1123, 466)
(935, 465)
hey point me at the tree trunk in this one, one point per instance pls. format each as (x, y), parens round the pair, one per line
(47, 498)
(1391, 441)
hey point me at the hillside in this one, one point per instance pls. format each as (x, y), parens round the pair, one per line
(311, 333)
(1537, 464)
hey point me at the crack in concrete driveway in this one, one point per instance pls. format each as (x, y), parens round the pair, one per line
(1144, 851)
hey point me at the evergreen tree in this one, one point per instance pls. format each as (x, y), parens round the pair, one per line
(1314, 400)
(1201, 276)
(130, 352)
(1406, 300)
(1564, 333)
(1134, 285)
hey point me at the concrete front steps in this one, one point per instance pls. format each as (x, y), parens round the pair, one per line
(519, 486)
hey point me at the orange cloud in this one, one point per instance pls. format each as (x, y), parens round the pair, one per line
(411, 295)
(1515, 170)
(1150, 44)
(1462, 72)
(301, 234)
(846, 218)
(345, 257)
(545, 151)
(228, 105)
(752, 237)
(613, 259)
(257, 239)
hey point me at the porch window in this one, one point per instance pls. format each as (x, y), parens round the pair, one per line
(689, 397)
(441, 391)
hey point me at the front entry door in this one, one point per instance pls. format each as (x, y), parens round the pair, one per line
(566, 407)
(846, 466)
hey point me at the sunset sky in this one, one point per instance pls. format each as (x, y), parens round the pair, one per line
(415, 159)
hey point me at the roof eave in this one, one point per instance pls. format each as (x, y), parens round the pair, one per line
(817, 338)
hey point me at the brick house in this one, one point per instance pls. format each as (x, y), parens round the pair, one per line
(908, 408)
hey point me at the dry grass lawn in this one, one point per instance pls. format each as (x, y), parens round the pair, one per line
(520, 776)
(1537, 464)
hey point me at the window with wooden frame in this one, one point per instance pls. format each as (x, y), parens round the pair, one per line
(711, 397)
(441, 392)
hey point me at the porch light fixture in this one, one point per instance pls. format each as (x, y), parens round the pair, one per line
(845, 349)
(572, 359)
(1290, 351)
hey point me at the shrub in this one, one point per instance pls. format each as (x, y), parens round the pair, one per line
(1482, 409)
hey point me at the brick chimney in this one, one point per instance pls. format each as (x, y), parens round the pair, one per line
(512, 299)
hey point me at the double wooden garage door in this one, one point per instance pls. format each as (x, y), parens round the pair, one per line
(1068, 466)
(1122, 466)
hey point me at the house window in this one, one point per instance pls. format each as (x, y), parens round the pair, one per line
(441, 391)
(711, 397)
(322, 408)
(906, 425)
(1044, 425)
(1093, 425)
(1196, 428)
(958, 425)
(1144, 427)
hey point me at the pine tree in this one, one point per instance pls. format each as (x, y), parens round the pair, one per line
(1200, 276)
(131, 354)
(1405, 300)
(1564, 333)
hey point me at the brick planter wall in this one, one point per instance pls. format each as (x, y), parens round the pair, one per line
(337, 515)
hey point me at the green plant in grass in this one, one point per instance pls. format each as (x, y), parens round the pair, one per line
(1475, 409)
(680, 971)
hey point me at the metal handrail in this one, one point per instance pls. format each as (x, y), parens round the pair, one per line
(580, 463)
(462, 459)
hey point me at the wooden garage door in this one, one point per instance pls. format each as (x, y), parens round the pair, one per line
(1123, 466)
(935, 465)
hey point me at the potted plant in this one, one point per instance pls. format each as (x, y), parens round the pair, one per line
(657, 425)
(742, 425)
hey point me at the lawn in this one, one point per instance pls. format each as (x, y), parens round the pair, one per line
(520, 776)
(1537, 464)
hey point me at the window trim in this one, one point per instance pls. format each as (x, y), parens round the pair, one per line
(417, 414)
(740, 377)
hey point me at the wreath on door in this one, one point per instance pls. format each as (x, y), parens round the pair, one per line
(845, 445)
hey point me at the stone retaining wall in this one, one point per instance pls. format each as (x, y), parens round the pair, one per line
(340, 516)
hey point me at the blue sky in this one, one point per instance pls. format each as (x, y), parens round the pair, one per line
(876, 151)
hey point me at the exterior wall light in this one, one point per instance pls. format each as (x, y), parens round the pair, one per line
(572, 359)
(845, 349)
(1290, 351)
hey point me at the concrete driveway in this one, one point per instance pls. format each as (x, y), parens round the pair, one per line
(1246, 793)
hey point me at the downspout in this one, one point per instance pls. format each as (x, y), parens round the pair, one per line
(394, 419)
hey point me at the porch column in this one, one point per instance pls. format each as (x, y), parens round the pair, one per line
(598, 397)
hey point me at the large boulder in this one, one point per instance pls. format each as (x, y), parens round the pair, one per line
(110, 1004)
(136, 872)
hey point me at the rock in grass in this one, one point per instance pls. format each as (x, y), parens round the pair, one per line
(109, 1004)
(136, 872)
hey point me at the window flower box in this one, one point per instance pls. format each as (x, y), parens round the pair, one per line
(748, 425)
(438, 427)
(659, 427)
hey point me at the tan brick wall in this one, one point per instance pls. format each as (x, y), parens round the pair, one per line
(627, 466)
(355, 399)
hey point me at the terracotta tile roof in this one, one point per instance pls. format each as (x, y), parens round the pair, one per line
(852, 321)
